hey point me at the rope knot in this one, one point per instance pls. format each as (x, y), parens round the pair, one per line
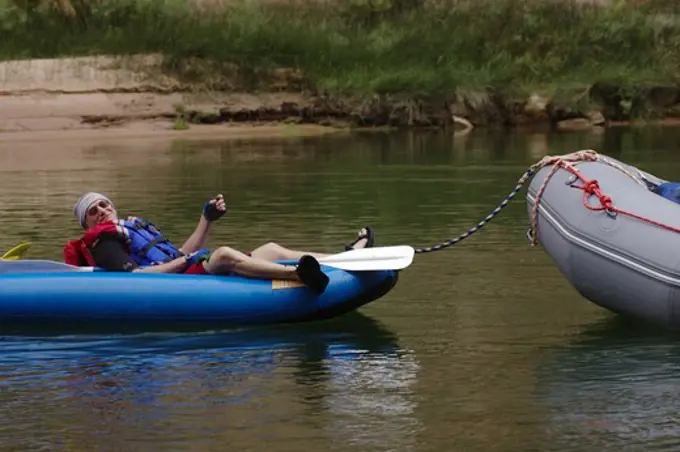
(606, 202)
(591, 187)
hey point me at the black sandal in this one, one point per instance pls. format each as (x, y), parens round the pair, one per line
(309, 272)
(369, 236)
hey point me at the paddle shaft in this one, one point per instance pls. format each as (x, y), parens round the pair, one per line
(367, 259)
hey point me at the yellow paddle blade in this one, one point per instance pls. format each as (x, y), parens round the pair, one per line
(16, 253)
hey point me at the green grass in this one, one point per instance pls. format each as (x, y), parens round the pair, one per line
(362, 47)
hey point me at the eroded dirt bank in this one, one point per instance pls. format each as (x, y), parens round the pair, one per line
(94, 97)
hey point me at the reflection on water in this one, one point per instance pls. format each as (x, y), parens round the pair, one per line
(350, 376)
(615, 384)
(481, 347)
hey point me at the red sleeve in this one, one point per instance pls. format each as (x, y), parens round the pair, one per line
(73, 255)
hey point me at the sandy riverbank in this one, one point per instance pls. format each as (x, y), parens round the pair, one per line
(103, 98)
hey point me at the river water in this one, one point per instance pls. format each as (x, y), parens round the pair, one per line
(482, 346)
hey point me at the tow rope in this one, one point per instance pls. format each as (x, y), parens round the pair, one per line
(590, 187)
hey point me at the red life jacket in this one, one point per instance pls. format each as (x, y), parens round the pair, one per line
(144, 242)
(77, 252)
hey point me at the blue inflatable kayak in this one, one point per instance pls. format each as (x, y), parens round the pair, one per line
(34, 291)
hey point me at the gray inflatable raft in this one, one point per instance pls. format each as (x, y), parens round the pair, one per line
(622, 263)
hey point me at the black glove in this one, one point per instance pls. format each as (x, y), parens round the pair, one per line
(211, 212)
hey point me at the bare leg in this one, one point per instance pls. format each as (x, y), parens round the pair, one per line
(274, 252)
(227, 260)
(365, 237)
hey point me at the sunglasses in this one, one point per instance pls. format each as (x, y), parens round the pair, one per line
(92, 211)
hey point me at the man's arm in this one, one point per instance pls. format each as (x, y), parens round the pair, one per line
(198, 238)
(212, 211)
(110, 254)
(174, 266)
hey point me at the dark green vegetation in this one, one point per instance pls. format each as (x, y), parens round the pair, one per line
(363, 47)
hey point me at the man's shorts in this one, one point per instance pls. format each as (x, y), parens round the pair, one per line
(199, 269)
(196, 269)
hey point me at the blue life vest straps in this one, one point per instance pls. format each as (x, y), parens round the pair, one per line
(147, 245)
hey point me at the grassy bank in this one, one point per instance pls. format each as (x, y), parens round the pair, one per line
(361, 47)
(398, 46)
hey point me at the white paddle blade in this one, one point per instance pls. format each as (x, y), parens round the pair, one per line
(371, 259)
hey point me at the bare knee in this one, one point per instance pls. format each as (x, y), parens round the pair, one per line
(225, 256)
(272, 247)
(271, 251)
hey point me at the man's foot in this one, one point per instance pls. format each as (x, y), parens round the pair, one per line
(309, 272)
(365, 239)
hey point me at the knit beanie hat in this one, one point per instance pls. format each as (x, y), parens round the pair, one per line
(84, 203)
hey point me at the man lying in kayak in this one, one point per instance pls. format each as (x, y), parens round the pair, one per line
(136, 245)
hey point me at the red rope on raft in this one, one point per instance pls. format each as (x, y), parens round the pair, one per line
(592, 187)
